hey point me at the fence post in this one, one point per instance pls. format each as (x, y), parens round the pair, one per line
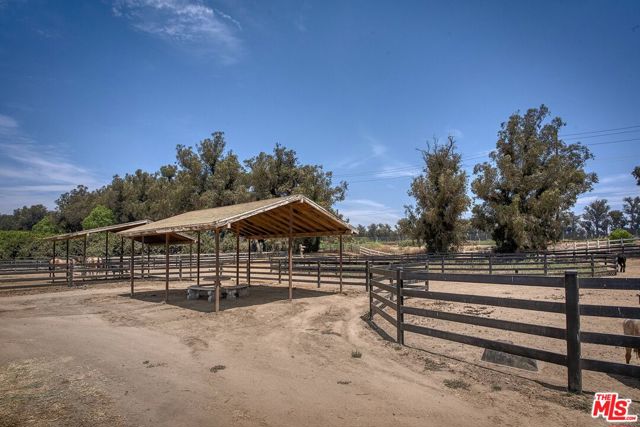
(70, 274)
(180, 267)
(572, 311)
(622, 244)
(370, 292)
(426, 282)
(399, 302)
(545, 264)
(490, 264)
(279, 273)
(367, 282)
(318, 272)
(442, 264)
(593, 267)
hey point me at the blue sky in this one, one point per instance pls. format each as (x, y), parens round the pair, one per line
(93, 89)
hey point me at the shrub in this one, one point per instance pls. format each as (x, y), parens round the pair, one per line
(619, 233)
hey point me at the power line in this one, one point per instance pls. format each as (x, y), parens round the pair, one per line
(602, 135)
(600, 131)
(379, 175)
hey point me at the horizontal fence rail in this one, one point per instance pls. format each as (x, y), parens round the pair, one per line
(392, 290)
(310, 268)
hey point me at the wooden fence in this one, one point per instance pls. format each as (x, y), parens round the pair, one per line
(391, 291)
(309, 269)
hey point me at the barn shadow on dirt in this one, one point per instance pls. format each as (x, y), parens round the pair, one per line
(258, 295)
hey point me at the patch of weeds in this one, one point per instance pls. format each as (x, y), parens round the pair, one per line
(217, 368)
(433, 365)
(344, 382)
(457, 384)
(356, 354)
(146, 362)
(155, 365)
(496, 387)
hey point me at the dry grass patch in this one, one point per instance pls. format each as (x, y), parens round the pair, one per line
(33, 393)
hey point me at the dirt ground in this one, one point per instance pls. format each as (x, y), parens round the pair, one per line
(94, 356)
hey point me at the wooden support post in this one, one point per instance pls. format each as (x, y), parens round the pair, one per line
(279, 272)
(399, 313)
(290, 253)
(217, 283)
(572, 310)
(593, 267)
(180, 267)
(190, 261)
(121, 256)
(52, 266)
(142, 259)
(106, 254)
(426, 282)
(367, 278)
(546, 266)
(490, 264)
(198, 260)
(340, 257)
(370, 289)
(148, 260)
(442, 264)
(69, 280)
(318, 273)
(249, 262)
(84, 250)
(166, 267)
(131, 269)
(237, 257)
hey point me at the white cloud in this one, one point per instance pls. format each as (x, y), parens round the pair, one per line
(366, 211)
(398, 170)
(31, 172)
(613, 188)
(7, 123)
(188, 22)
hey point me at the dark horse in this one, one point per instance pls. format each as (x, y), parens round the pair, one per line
(621, 260)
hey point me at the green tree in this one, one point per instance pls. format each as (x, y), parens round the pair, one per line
(617, 219)
(596, 218)
(636, 174)
(281, 174)
(45, 226)
(532, 178)
(23, 218)
(619, 233)
(631, 208)
(100, 216)
(74, 206)
(441, 197)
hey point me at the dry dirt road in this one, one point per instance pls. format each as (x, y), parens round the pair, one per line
(97, 357)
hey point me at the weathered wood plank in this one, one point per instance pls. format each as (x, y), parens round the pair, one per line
(507, 325)
(385, 301)
(551, 307)
(543, 355)
(632, 371)
(384, 314)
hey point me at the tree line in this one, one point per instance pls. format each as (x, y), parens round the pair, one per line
(524, 194)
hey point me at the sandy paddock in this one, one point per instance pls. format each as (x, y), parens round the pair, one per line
(94, 356)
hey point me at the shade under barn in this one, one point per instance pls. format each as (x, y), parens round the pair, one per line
(285, 217)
